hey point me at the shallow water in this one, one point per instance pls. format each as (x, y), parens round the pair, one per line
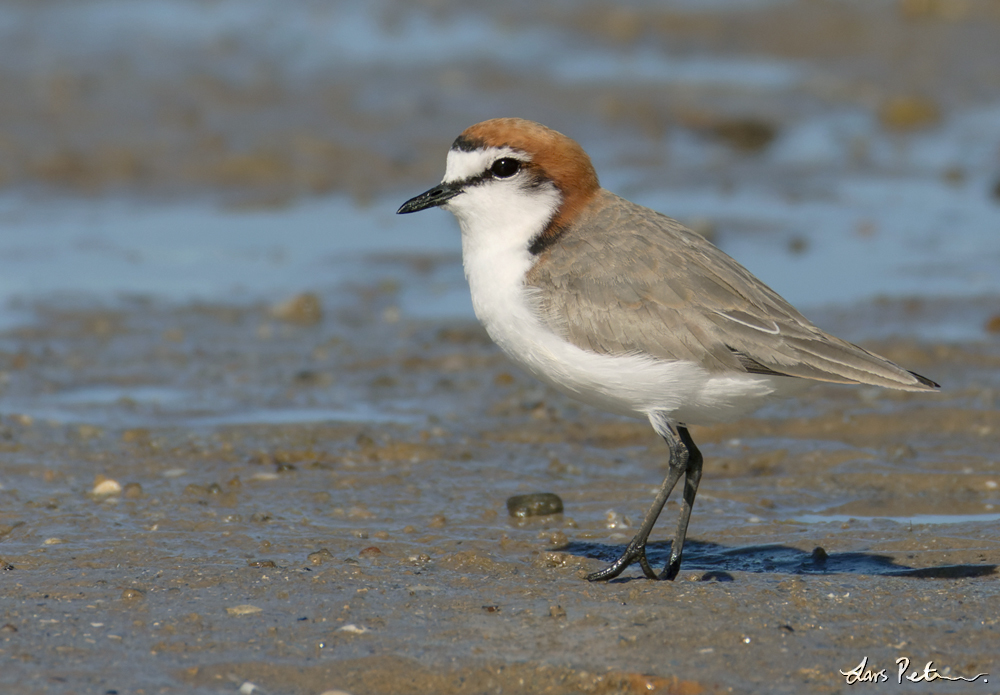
(231, 376)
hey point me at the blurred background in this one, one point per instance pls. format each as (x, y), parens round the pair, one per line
(237, 391)
(243, 150)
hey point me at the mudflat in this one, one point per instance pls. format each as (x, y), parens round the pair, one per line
(253, 440)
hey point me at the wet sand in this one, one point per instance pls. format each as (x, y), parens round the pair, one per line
(281, 493)
(380, 557)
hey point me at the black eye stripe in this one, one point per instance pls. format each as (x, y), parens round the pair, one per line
(477, 179)
(534, 179)
(489, 174)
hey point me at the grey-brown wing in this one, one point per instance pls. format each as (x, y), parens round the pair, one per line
(661, 289)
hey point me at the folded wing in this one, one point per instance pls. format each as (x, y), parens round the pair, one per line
(660, 289)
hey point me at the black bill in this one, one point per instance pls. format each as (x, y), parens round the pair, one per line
(438, 195)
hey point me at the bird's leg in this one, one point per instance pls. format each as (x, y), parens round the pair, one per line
(691, 479)
(636, 549)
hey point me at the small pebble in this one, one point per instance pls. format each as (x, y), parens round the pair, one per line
(613, 519)
(558, 539)
(353, 629)
(132, 491)
(261, 564)
(129, 594)
(107, 487)
(264, 475)
(243, 609)
(535, 504)
(320, 556)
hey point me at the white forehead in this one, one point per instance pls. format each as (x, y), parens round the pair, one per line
(463, 165)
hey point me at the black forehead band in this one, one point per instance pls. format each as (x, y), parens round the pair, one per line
(467, 144)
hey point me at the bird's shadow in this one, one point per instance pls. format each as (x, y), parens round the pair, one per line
(718, 562)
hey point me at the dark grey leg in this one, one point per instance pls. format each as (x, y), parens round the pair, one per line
(679, 442)
(691, 479)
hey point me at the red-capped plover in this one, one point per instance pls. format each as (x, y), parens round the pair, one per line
(623, 307)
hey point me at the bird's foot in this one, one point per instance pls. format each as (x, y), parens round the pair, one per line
(634, 551)
(673, 567)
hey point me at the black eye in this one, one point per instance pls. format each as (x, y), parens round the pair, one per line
(505, 168)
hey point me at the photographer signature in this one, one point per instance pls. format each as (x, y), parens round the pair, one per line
(863, 674)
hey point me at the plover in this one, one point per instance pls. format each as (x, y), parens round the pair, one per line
(624, 308)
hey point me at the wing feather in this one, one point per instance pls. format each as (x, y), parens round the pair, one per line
(689, 301)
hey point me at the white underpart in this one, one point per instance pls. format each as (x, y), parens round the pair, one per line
(499, 219)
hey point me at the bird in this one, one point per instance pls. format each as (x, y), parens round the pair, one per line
(624, 308)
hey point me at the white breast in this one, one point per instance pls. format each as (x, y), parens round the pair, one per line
(636, 385)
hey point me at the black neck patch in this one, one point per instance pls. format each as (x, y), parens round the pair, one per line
(546, 239)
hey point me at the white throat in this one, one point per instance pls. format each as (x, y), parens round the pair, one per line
(499, 219)
(503, 214)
